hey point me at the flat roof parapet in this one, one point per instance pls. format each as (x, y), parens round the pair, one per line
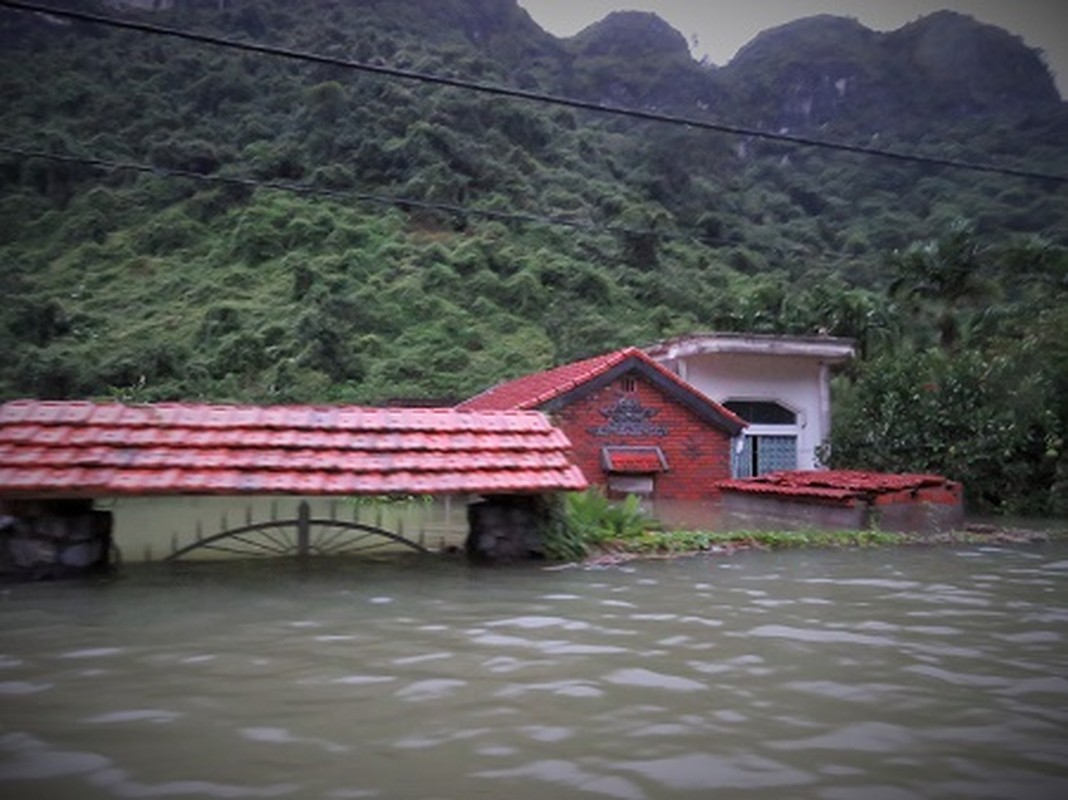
(826, 348)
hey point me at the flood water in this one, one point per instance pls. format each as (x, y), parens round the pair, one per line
(883, 674)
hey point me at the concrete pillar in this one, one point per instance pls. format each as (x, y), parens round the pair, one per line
(824, 408)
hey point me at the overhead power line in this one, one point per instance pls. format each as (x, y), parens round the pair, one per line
(407, 203)
(522, 94)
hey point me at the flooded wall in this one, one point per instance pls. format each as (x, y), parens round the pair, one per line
(150, 529)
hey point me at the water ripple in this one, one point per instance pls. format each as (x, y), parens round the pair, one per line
(656, 680)
(423, 657)
(535, 623)
(363, 680)
(153, 715)
(567, 773)
(283, 736)
(872, 737)
(29, 758)
(23, 687)
(92, 652)
(957, 678)
(819, 635)
(431, 689)
(566, 688)
(707, 771)
(853, 692)
(551, 646)
(119, 782)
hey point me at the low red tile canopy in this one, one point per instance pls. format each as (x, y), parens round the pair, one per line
(85, 449)
(838, 485)
(637, 460)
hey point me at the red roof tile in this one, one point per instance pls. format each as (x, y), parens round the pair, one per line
(541, 388)
(86, 449)
(832, 484)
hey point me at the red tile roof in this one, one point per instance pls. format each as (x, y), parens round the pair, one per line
(92, 450)
(832, 485)
(541, 388)
(531, 391)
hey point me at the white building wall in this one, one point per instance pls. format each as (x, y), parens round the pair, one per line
(800, 384)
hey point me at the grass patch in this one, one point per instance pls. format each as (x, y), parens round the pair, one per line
(660, 543)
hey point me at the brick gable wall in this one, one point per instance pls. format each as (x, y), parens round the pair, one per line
(698, 454)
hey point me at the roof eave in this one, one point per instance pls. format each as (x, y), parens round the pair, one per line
(824, 348)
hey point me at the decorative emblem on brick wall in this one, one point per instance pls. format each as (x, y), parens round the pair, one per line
(628, 417)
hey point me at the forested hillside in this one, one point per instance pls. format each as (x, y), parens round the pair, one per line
(187, 220)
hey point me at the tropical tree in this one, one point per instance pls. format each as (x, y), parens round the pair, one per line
(986, 421)
(942, 280)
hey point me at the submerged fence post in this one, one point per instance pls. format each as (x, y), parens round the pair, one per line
(303, 529)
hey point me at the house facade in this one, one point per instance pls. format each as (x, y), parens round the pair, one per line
(780, 386)
(635, 427)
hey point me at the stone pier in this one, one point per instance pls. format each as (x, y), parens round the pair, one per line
(505, 528)
(48, 539)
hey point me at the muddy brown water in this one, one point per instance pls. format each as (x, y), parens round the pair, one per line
(890, 673)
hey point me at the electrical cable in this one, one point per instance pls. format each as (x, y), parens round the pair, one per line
(522, 94)
(453, 209)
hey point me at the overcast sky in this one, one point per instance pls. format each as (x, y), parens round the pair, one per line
(720, 27)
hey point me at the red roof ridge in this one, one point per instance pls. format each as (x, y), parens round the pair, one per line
(537, 389)
(531, 390)
(232, 415)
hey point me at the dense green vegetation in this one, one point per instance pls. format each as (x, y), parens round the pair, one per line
(144, 285)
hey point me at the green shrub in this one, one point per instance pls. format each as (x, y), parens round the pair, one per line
(597, 519)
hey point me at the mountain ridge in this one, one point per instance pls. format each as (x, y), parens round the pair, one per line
(980, 65)
(807, 72)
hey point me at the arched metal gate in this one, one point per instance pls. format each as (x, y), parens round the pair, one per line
(303, 536)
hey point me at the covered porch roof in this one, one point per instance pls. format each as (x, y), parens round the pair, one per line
(85, 449)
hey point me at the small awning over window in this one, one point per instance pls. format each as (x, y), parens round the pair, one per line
(633, 460)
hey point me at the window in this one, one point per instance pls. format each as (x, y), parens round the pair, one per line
(762, 412)
(770, 442)
(759, 455)
(629, 385)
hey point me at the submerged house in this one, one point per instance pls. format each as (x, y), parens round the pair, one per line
(779, 385)
(635, 426)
